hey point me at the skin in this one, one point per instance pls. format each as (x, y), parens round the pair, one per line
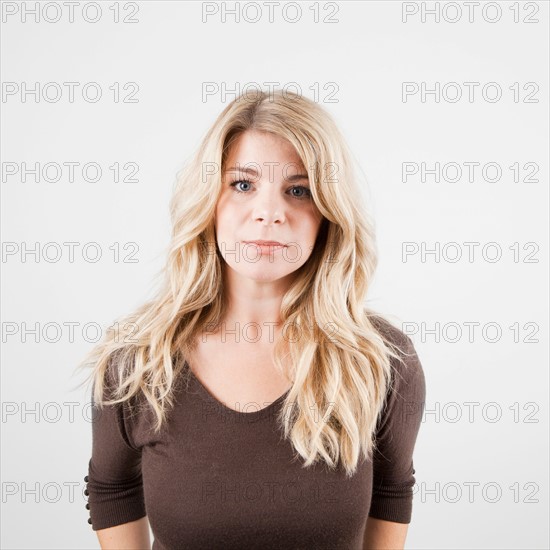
(133, 535)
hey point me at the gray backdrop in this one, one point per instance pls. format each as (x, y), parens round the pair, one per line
(445, 106)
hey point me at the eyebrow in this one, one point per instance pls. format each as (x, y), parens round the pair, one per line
(254, 172)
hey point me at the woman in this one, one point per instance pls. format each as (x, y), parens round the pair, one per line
(256, 402)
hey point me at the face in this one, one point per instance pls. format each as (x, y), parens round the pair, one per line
(265, 196)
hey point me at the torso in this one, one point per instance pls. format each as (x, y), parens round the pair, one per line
(237, 374)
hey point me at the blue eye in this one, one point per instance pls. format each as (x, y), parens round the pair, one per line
(236, 182)
(306, 192)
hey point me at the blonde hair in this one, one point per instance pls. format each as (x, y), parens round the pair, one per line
(340, 359)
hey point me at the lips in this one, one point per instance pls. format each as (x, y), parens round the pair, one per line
(265, 243)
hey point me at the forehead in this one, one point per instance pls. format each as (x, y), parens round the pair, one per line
(261, 147)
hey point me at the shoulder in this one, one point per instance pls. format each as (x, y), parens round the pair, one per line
(113, 373)
(119, 368)
(407, 371)
(389, 331)
(405, 397)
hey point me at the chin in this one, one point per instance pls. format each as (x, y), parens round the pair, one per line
(263, 274)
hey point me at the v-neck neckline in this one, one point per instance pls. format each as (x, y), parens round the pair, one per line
(253, 415)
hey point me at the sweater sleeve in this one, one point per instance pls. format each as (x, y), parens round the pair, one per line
(114, 480)
(398, 427)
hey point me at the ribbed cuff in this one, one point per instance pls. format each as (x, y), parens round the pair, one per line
(109, 514)
(391, 507)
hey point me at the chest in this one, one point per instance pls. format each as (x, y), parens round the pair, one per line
(237, 374)
(219, 480)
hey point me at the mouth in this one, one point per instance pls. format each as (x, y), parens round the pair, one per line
(265, 243)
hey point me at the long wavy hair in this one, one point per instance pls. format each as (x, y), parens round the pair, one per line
(339, 359)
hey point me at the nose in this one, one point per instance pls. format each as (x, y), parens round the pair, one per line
(269, 207)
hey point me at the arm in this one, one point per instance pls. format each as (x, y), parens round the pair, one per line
(114, 481)
(384, 535)
(393, 468)
(133, 535)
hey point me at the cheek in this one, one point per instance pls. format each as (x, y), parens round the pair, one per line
(312, 225)
(225, 222)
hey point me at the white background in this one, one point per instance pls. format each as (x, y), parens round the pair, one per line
(366, 54)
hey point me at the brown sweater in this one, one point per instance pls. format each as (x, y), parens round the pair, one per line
(218, 478)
